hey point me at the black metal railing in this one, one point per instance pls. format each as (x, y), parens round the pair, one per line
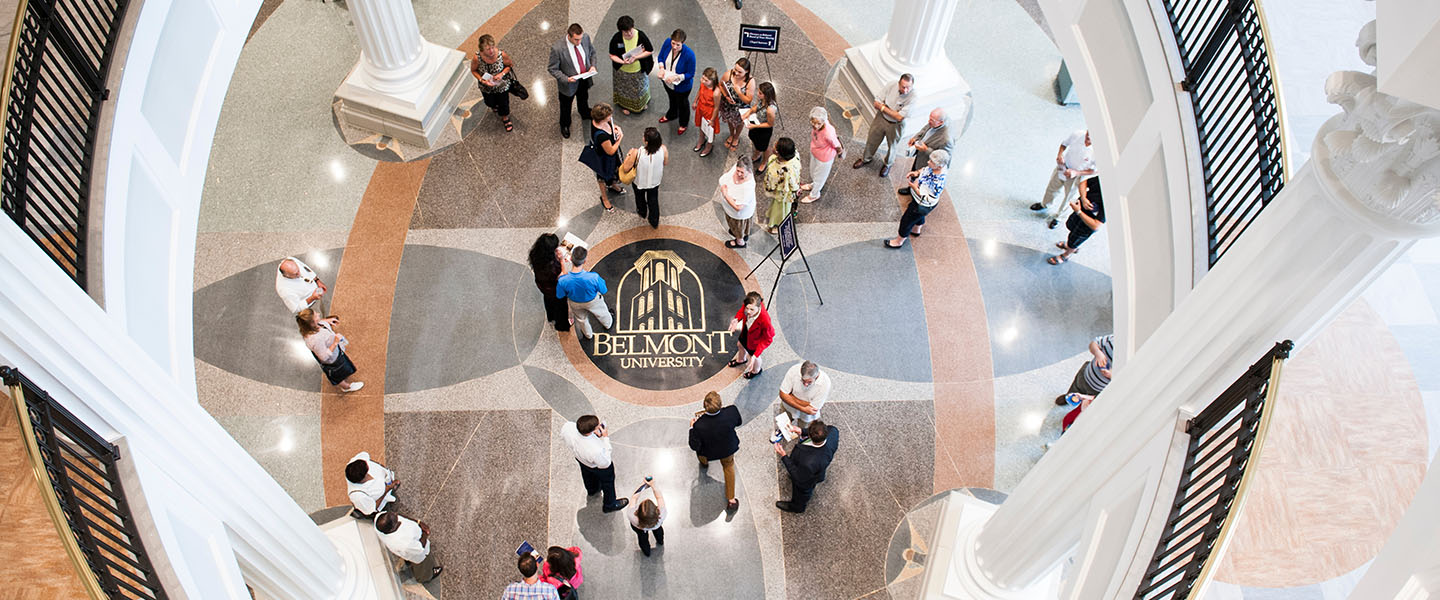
(1238, 114)
(82, 469)
(1223, 444)
(60, 58)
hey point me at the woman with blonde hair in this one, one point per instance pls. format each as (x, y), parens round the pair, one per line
(495, 75)
(328, 348)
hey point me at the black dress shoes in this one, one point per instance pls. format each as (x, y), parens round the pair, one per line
(738, 4)
(619, 504)
(788, 507)
(1037, 206)
(565, 132)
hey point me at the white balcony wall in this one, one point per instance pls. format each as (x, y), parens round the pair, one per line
(174, 78)
(1125, 66)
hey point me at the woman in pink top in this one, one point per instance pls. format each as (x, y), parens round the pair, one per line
(562, 568)
(824, 147)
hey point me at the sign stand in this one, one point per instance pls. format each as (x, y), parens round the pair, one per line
(789, 244)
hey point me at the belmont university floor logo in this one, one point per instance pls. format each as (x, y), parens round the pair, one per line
(672, 303)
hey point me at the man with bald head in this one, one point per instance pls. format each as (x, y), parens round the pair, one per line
(934, 136)
(298, 286)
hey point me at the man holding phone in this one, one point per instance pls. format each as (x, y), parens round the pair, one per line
(589, 441)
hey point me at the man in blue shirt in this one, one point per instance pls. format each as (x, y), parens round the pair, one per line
(584, 291)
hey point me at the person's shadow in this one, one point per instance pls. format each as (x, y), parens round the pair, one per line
(707, 498)
(598, 527)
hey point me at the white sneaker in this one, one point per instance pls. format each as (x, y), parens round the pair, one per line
(353, 387)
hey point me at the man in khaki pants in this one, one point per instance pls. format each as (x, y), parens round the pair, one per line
(712, 437)
(891, 108)
(1074, 161)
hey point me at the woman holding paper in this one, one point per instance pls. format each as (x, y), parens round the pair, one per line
(737, 90)
(630, 51)
(493, 69)
(782, 182)
(753, 334)
(925, 187)
(760, 123)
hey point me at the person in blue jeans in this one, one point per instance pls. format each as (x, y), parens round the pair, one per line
(585, 292)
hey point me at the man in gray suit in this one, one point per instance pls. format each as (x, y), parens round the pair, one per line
(934, 136)
(569, 58)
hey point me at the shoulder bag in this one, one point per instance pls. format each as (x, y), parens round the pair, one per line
(629, 169)
(517, 89)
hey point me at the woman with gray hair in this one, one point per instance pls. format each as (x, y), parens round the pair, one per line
(925, 187)
(824, 149)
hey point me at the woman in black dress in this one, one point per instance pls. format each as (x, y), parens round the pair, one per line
(545, 261)
(605, 135)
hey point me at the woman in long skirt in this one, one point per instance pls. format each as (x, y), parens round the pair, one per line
(630, 51)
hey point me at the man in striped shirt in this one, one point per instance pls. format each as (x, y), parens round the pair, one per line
(1094, 375)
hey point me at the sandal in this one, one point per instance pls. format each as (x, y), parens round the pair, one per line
(664, 119)
(732, 244)
(752, 375)
(1055, 260)
(680, 131)
(736, 363)
(1061, 245)
(508, 125)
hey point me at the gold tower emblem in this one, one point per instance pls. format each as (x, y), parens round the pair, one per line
(655, 291)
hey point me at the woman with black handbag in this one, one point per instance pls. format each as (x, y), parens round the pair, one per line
(603, 154)
(495, 74)
(328, 348)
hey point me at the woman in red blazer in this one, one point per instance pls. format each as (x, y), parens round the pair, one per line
(753, 334)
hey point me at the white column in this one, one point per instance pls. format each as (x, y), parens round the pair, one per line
(1371, 189)
(917, 33)
(914, 43)
(403, 86)
(390, 42)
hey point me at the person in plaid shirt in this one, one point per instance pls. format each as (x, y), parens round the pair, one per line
(530, 588)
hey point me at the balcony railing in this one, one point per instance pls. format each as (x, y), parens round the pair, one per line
(59, 59)
(80, 483)
(1225, 438)
(1226, 57)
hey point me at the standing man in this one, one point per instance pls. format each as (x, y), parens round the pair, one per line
(570, 58)
(370, 485)
(530, 587)
(891, 108)
(934, 136)
(409, 540)
(677, 72)
(712, 437)
(1074, 161)
(804, 391)
(298, 286)
(584, 290)
(589, 441)
(807, 464)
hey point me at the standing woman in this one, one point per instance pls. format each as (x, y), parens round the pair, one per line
(760, 133)
(706, 117)
(547, 261)
(494, 71)
(648, 516)
(825, 148)
(925, 187)
(328, 348)
(753, 334)
(782, 182)
(1088, 214)
(737, 191)
(650, 161)
(632, 75)
(737, 90)
(605, 136)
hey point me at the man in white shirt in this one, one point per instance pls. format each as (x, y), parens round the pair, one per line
(297, 285)
(589, 441)
(891, 108)
(804, 391)
(409, 540)
(1074, 161)
(572, 64)
(370, 485)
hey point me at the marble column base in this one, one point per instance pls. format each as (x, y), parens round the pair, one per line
(418, 114)
(369, 570)
(954, 572)
(869, 70)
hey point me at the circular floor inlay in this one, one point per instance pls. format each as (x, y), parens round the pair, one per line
(672, 302)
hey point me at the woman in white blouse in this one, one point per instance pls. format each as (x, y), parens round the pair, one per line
(328, 348)
(648, 515)
(649, 163)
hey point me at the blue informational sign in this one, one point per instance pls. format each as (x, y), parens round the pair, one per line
(759, 38)
(788, 241)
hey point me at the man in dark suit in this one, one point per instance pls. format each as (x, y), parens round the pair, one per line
(569, 58)
(807, 463)
(712, 437)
